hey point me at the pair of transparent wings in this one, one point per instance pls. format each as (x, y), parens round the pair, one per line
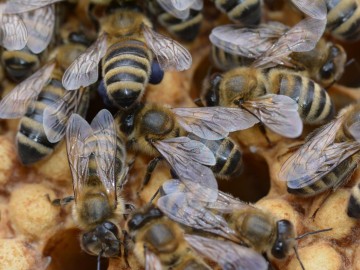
(269, 44)
(22, 100)
(27, 23)
(320, 154)
(84, 70)
(180, 8)
(226, 254)
(278, 112)
(97, 140)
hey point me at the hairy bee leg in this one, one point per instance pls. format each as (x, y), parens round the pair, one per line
(60, 202)
(126, 240)
(150, 169)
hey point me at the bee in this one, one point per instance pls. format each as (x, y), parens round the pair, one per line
(183, 21)
(164, 132)
(162, 244)
(300, 48)
(328, 157)
(126, 45)
(97, 162)
(44, 106)
(229, 218)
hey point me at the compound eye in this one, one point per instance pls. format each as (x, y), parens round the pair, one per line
(327, 70)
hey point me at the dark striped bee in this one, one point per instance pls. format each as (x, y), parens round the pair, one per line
(126, 46)
(229, 218)
(327, 159)
(44, 106)
(97, 161)
(181, 18)
(300, 48)
(160, 243)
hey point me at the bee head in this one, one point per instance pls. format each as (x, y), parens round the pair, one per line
(285, 239)
(210, 91)
(103, 239)
(139, 219)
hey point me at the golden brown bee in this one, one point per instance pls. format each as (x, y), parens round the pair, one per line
(328, 158)
(160, 131)
(126, 45)
(300, 48)
(97, 162)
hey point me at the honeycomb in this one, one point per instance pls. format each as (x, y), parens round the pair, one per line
(34, 234)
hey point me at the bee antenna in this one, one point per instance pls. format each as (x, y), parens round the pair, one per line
(298, 258)
(99, 259)
(313, 232)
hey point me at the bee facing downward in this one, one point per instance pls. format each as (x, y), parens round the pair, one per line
(126, 46)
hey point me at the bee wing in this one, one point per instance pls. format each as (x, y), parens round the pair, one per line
(227, 254)
(22, 98)
(184, 209)
(57, 115)
(152, 261)
(354, 130)
(249, 42)
(170, 54)
(187, 158)
(40, 27)
(300, 38)
(20, 6)
(214, 123)
(317, 157)
(84, 70)
(185, 4)
(13, 32)
(172, 8)
(79, 149)
(104, 130)
(315, 9)
(279, 113)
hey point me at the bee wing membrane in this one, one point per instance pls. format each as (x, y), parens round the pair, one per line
(84, 70)
(227, 254)
(40, 27)
(214, 123)
(22, 98)
(152, 262)
(170, 54)
(354, 130)
(14, 34)
(20, 6)
(172, 8)
(185, 4)
(315, 9)
(279, 113)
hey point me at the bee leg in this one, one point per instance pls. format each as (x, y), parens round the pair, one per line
(60, 202)
(126, 247)
(263, 131)
(150, 169)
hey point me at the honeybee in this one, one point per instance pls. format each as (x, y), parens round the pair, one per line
(44, 106)
(328, 158)
(181, 18)
(160, 131)
(159, 243)
(97, 162)
(300, 48)
(229, 218)
(126, 44)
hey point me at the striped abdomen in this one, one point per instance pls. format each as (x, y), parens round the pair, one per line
(343, 19)
(227, 153)
(126, 71)
(243, 11)
(32, 143)
(226, 61)
(315, 105)
(333, 179)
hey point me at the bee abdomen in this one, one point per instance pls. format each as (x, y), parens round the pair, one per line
(343, 19)
(126, 69)
(32, 143)
(315, 105)
(244, 11)
(333, 179)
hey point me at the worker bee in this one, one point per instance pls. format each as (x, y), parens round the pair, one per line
(162, 244)
(44, 106)
(328, 157)
(126, 45)
(164, 132)
(229, 218)
(300, 48)
(180, 18)
(97, 162)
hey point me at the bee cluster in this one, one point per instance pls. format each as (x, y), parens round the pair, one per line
(137, 134)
